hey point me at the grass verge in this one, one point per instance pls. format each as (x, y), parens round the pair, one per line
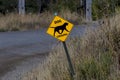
(15, 22)
(95, 56)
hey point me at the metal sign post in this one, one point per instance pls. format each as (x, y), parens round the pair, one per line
(60, 29)
(72, 73)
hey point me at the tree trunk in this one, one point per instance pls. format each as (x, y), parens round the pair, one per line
(39, 2)
(88, 10)
(21, 7)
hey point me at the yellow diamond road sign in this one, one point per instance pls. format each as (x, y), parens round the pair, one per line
(60, 28)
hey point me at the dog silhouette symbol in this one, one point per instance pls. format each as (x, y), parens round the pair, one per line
(60, 29)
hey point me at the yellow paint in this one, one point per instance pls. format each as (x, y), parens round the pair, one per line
(57, 26)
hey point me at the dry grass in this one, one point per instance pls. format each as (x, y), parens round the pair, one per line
(94, 56)
(14, 22)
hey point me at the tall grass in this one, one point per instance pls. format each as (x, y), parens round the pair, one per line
(14, 22)
(95, 56)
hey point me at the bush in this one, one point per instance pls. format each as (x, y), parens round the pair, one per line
(57, 6)
(91, 69)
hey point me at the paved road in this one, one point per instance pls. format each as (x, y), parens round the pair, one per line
(24, 42)
(15, 46)
(29, 42)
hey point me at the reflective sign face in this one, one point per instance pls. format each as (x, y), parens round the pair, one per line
(60, 28)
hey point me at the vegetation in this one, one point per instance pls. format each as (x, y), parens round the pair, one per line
(15, 22)
(104, 8)
(100, 7)
(95, 56)
(72, 10)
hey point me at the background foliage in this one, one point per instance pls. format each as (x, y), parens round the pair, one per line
(100, 7)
